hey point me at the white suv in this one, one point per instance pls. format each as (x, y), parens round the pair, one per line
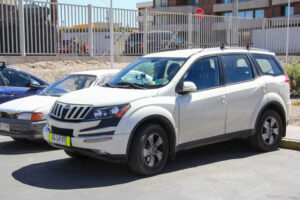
(170, 101)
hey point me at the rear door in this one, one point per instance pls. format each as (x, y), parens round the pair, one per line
(244, 91)
(4, 90)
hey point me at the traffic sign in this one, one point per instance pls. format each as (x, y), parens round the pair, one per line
(199, 12)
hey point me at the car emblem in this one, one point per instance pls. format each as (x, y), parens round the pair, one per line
(67, 107)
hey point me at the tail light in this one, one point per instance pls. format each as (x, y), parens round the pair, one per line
(287, 80)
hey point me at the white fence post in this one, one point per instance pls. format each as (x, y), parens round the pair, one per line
(21, 28)
(228, 32)
(263, 41)
(111, 37)
(90, 30)
(190, 31)
(145, 31)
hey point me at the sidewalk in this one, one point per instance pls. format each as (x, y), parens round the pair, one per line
(292, 139)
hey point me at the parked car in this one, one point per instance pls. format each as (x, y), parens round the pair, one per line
(25, 118)
(195, 97)
(65, 46)
(15, 83)
(157, 41)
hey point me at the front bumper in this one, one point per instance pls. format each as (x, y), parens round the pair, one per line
(23, 129)
(103, 143)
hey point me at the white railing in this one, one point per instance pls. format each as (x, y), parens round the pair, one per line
(30, 27)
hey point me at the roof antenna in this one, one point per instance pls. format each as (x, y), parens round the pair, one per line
(222, 46)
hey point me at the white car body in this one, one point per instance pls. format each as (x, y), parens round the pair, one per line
(191, 120)
(40, 104)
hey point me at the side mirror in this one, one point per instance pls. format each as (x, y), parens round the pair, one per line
(187, 87)
(33, 85)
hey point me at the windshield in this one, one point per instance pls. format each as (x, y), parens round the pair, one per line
(148, 73)
(68, 84)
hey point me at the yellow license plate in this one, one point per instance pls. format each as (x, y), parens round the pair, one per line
(59, 139)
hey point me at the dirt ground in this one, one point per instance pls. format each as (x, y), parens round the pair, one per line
(295, 116)
(51, 71)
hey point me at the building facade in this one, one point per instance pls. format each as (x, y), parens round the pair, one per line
(242, 8)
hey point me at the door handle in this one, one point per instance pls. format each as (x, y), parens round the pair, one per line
(223, 100)
(13, 94)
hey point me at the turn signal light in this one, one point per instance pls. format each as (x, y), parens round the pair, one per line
(123, 111)
(36, 116)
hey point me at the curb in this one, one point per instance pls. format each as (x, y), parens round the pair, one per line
(290, 144)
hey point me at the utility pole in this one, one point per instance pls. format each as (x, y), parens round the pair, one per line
(111, 21)
(288, 34)
(234, 23)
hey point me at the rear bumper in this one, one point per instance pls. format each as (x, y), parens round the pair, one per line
(23, 129)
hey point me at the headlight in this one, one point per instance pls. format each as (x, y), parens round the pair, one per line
(108, 112)
(31, 116)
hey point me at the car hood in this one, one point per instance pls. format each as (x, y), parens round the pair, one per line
(33, 103)
(104, 96)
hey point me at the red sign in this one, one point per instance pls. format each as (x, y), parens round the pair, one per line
(199, 12)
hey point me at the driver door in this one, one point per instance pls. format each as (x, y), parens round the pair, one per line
(202, 114)
(17, 84)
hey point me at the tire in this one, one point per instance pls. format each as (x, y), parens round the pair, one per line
(268, 131)
(19, 139)
(75, 155)
(146, 158)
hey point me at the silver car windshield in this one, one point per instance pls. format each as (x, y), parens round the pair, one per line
(68, 84)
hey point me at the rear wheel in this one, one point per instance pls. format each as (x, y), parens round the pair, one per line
(268, 131)
(149, 150)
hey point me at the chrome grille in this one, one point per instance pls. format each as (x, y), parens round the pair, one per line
(69, 112)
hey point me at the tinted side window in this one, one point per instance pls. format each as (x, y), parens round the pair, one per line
(267, 64)
(237, 68)
(15, 78)
(204, 73)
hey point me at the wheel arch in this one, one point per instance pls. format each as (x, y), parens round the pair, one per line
(165, 123)
(276, 106)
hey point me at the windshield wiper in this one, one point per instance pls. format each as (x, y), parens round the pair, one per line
(134, 85)
(109, 85)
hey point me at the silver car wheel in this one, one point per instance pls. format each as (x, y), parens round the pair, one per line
(270, 130)
(153, 150)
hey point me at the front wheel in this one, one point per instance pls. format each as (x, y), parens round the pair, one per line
(268, 131)
(149, 150)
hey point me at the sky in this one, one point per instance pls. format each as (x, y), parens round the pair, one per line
(129, 4)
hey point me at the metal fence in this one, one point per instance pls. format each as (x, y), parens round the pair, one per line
(30, 27)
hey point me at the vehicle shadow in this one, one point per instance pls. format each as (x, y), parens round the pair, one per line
(67, 173)
(24, 147)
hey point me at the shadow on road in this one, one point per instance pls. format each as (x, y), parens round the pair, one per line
(75, 174)
(23, 147)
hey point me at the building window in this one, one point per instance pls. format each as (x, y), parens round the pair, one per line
(227, 14)
(247, 14)
(275, 11)
(284, 10)
(259, 13)
(161, 3)
(192, 2)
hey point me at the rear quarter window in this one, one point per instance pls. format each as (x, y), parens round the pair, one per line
(267, 65)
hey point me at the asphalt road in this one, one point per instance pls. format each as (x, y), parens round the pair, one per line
(230, 170)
